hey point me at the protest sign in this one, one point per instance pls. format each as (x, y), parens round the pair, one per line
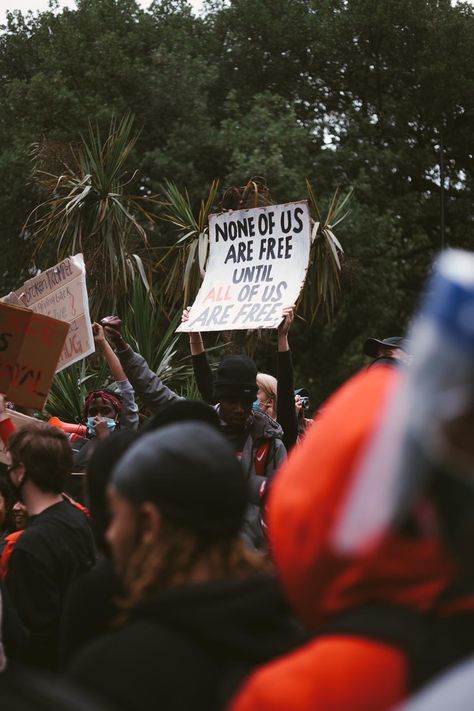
(19, 420)
(257, 265)
(61, 292)
(30, 345)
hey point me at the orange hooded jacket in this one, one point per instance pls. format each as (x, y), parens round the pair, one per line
(339, 672)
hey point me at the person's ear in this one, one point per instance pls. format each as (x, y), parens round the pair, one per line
(150, 522)
(21, 473)
(18, 474)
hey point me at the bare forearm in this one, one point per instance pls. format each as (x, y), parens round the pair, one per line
(115, 366)
(283, 345)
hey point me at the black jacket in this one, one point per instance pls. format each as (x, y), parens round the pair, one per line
(56, 547)
(89, 610)
(189, 647)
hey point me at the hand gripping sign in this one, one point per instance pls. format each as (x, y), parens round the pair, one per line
(257, 265)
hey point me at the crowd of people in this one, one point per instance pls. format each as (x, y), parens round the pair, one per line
(200, 558)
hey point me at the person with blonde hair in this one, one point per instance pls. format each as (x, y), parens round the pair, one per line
(267, 394)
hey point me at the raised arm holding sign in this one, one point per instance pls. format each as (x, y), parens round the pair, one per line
(258, 260)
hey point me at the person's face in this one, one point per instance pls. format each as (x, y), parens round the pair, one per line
(235, 411)
(123, 533)
(101, 408)
(16, 471)
(396, 354)
(20, 515)
(265, 400)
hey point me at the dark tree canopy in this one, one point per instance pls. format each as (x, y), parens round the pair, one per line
(349, 93)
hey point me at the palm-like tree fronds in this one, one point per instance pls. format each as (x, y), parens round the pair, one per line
(88, 209)
(323, 286)
(148, 330)
(190, 251)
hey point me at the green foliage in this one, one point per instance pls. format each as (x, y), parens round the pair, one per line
(268, 140)
(149, 332)
(87, 210)
(187, 256)
(152, 334)
(323, 286)
(343, 92)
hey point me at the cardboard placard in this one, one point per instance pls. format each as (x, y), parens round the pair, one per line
(19, 420)
(258, 260)
(30, 345)
(61, 292)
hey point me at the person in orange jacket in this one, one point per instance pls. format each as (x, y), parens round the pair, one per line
(366, 608)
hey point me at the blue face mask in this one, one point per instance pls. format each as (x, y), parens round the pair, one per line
(111, 425)
(256, 405)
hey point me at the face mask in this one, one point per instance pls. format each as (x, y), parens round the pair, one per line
(91, 421)
(256, 405)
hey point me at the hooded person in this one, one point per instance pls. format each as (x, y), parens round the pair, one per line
(255, 437)
(200, 610)
(91, 604)
(384, 614)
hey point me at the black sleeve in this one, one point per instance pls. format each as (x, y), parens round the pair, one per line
(89, 609)
(36, 598)
(14, 634)
(286, 414)
(26, 574)
(203, 377)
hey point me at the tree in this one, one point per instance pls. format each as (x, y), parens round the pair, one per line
(88, 209)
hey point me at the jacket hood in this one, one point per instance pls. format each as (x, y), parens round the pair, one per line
(263, 426)
(309, 497)
(246, 620)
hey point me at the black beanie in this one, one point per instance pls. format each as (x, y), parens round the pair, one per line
(192, 475)
(182, 411)
(236, 377)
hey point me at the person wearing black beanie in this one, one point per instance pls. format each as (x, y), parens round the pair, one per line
(254, 436)
(199, 610)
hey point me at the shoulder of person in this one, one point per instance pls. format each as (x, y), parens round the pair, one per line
(265, 427)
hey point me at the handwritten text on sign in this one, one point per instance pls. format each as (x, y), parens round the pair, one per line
(30, 345)
(257, 265)
(60, 292)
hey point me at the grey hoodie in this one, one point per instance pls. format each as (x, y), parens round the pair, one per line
(156, 395)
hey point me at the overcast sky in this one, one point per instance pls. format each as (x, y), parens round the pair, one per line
(25, 5)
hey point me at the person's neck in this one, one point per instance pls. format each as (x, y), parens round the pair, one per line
(37, 501)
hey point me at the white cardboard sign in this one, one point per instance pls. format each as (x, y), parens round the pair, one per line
(61, 292)
(257, 265)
